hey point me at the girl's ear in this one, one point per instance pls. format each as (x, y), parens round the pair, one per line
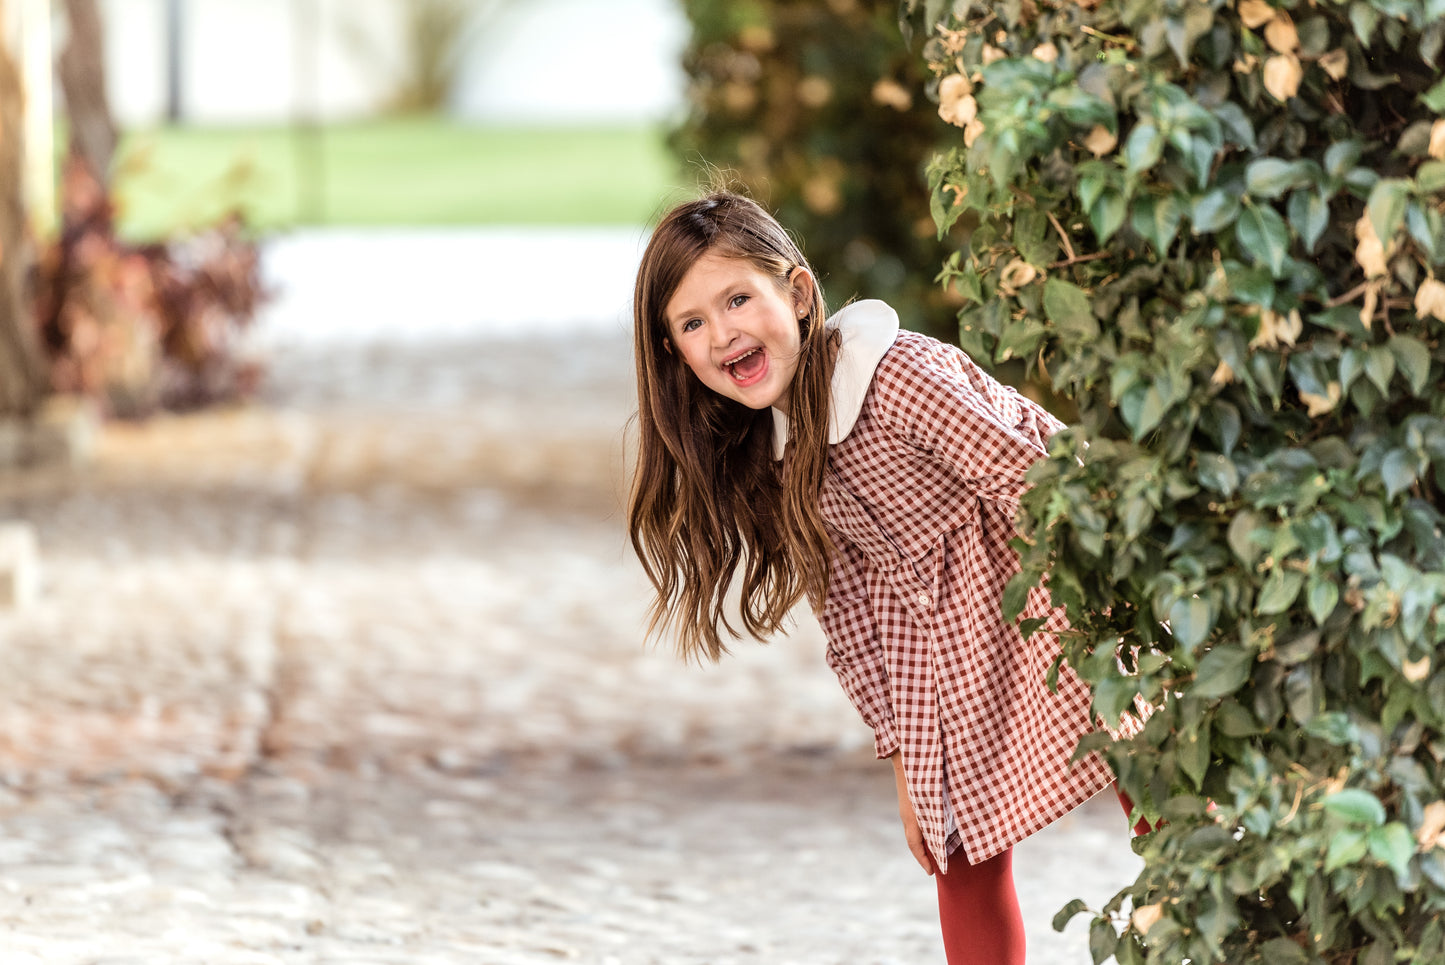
(667, 344)
(801, 282)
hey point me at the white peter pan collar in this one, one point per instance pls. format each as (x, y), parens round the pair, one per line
(869, 329)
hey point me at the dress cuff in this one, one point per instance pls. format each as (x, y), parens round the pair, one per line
(885, 738)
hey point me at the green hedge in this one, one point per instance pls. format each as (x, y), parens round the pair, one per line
(816, 109)
(1217, 229)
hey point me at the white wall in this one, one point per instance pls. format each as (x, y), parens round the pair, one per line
(540, 61)
(577, 60)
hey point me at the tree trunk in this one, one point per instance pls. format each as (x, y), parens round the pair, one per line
(82, 77)
(22, 379)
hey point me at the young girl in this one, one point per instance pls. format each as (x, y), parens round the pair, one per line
(877, 472)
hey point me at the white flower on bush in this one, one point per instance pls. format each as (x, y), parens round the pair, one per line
(1432, 825)
(1223, 374)
(1318, 405)
(1015, 275)
(1276, 329)
(1281, 34)
(1282, 76)
(1437, 140)
(1369, 250)
(1430, 299)
(971, 131)
(1147, 917)
(1255, 13)
(1335, 63)
(955, 100)
(890, 93)
(1046, 52)
(1100, 140)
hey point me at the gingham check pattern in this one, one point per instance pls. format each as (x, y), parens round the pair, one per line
(919, 500)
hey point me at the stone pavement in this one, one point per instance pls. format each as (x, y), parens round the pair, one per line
(357, 675)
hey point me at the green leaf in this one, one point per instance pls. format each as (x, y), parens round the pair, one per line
(1215, 210)
(1182, 32)
(1426, 228)
(1102, 940)
(1363, 18)
(1114, 695)
(1282, 951)
(1271, 177)
(1016, 595)
(1218, 473)
(1253, 285)
(1386, 207)
(1309, 213)
(1020, 339)
(1080, 107)
(1190, 621)
(1067, 913)
(1352, 364)
(1193, 754)
(1142, 407)
(1236, 124)
(1324, 595)
(1380, 367)
(1346, 848)
(1341, 157)
(1157, 220)
(1413, 358)
(1434, 98)
(1430, 176)
(1091, 186)
(1262, 233)
(1069, 308)
(1144, 148)
(1357, 806)
(1242, 530)
(1279, 591)
(1222, 671)
(1394, 846)
(1107, 215)
(1200, 158)
(1398, 472)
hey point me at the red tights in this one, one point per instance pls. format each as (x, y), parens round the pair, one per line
(979, 909)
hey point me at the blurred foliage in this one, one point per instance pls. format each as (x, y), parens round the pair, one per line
(814, 109)
(142, 327)
(434, 35)
(1216, 226)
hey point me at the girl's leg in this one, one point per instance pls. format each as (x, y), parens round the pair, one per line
(979, 911)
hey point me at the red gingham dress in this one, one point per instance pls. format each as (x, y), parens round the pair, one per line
(919, 499)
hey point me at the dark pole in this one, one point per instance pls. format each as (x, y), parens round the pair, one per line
(175, 26)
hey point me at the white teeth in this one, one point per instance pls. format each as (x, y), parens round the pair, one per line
(741, 357)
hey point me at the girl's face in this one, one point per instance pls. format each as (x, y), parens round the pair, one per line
(737, 328)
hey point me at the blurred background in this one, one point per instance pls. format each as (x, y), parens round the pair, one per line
(319, 635)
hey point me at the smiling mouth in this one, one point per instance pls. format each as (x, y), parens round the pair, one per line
(747, 366)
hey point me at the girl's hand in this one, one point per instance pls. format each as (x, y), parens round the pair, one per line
(911, 832)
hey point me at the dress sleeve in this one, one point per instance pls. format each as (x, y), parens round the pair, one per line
(985, 431)
(855, 651)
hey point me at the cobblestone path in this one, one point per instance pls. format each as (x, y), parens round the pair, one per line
(356, 675)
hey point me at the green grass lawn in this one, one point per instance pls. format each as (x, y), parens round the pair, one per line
(392, 172)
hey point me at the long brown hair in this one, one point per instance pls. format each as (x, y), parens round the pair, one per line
(707, 498)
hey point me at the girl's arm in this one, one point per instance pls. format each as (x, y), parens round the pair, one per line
(985, 431)
(854, 650)
(911, 831)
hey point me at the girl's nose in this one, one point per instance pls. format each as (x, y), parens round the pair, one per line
(723, 333)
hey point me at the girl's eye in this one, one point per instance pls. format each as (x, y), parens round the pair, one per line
(738, 301)
(691, 324)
